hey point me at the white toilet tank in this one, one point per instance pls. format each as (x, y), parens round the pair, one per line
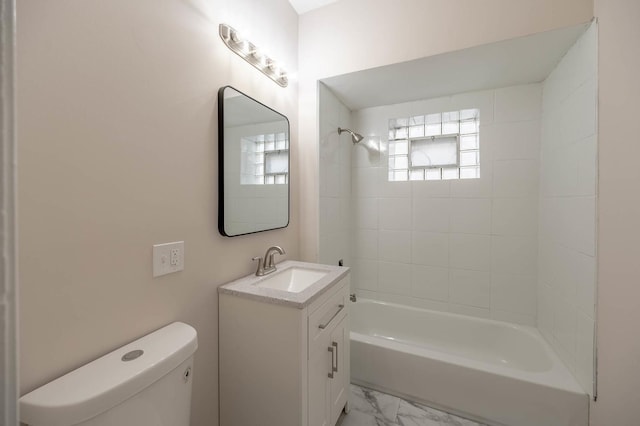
(145, 383)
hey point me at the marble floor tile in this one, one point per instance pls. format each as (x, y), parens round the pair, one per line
(376, 403)
(373, 408)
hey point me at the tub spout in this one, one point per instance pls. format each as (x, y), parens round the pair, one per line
(352, 297)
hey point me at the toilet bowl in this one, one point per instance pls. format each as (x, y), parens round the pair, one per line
(145, 383)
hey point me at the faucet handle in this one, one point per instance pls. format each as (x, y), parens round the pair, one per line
(271, 253)
(260, 270)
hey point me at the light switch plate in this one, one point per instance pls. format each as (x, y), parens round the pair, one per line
(168, 258)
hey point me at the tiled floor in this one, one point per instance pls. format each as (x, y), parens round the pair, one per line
(372, 408)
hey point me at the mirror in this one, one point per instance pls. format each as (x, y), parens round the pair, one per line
(253, 156)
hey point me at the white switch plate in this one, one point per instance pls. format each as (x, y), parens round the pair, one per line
(168, 258)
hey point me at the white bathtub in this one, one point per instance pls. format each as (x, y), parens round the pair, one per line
(491, 371)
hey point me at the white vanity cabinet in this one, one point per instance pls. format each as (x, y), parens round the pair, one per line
(281, 364)
(328, 360)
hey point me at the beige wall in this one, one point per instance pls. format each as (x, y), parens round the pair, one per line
(118, 151)
(353, 35)
(619, 209)
(8, 227)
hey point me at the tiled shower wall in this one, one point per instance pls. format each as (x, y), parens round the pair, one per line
(335, 180)
(465, 246)
(567, 227)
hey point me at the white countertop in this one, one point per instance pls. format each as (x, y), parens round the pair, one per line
(246, 286)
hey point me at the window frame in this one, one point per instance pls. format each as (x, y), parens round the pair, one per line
(433, 138)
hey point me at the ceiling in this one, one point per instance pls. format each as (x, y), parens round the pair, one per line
(304, 6)
(507, 63)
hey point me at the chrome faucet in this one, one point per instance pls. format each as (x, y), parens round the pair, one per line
(267, 265)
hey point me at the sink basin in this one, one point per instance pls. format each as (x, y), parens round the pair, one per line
(293, 280)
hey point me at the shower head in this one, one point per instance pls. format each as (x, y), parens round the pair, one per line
(355, 137)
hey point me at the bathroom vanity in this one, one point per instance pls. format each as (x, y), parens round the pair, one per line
(284, 347)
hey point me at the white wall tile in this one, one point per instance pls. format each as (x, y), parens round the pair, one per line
(425, 106)
(546, 259)
(365, 213)
(329, 179)
(584, 351)
(329, 142)
(514, 216)
(336, 247)
(559, 171)
(586, 284)
(475, 188)
(395, 213)
(367, 152)
(512, 141)
(514, 254)
(482, 100)
(329, 213)
(405, 300)
(515, 178)
(344, 115)
(467, 251)
(344, 191)
(371, 121)
(513, 317)
(366, 244)
(329, 106)
(587, 172)
(430, 248)
(432, 188)
(431, 214)
(470, 215)
(565, 270)
(579, 113)
(365, 274)
(395, 246)
(545, 311)
(472, 311)
(471, 288)
(518, 103)
(568, 359)
(364, 183)
(394, 278)
(392, 189)
(345, 216)
(430, 282)
(565, 326)
(581, 224)
(514, 293)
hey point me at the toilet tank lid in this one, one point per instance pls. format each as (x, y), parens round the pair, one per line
(106, 382)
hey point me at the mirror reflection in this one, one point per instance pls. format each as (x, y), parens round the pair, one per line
(254, 165)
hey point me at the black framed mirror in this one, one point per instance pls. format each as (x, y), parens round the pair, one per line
(253, 160)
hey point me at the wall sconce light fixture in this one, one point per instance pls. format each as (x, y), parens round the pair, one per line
(250, 53)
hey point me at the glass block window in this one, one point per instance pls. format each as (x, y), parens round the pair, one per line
(264, 159)
(435, 146)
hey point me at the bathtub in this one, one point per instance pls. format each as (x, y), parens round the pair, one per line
(490, 371)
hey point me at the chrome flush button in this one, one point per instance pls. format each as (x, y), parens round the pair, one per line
(130, 356)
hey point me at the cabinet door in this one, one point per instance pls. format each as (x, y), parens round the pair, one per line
(340, 382)
(319, 393)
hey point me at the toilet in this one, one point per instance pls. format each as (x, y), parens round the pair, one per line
(145, 383)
